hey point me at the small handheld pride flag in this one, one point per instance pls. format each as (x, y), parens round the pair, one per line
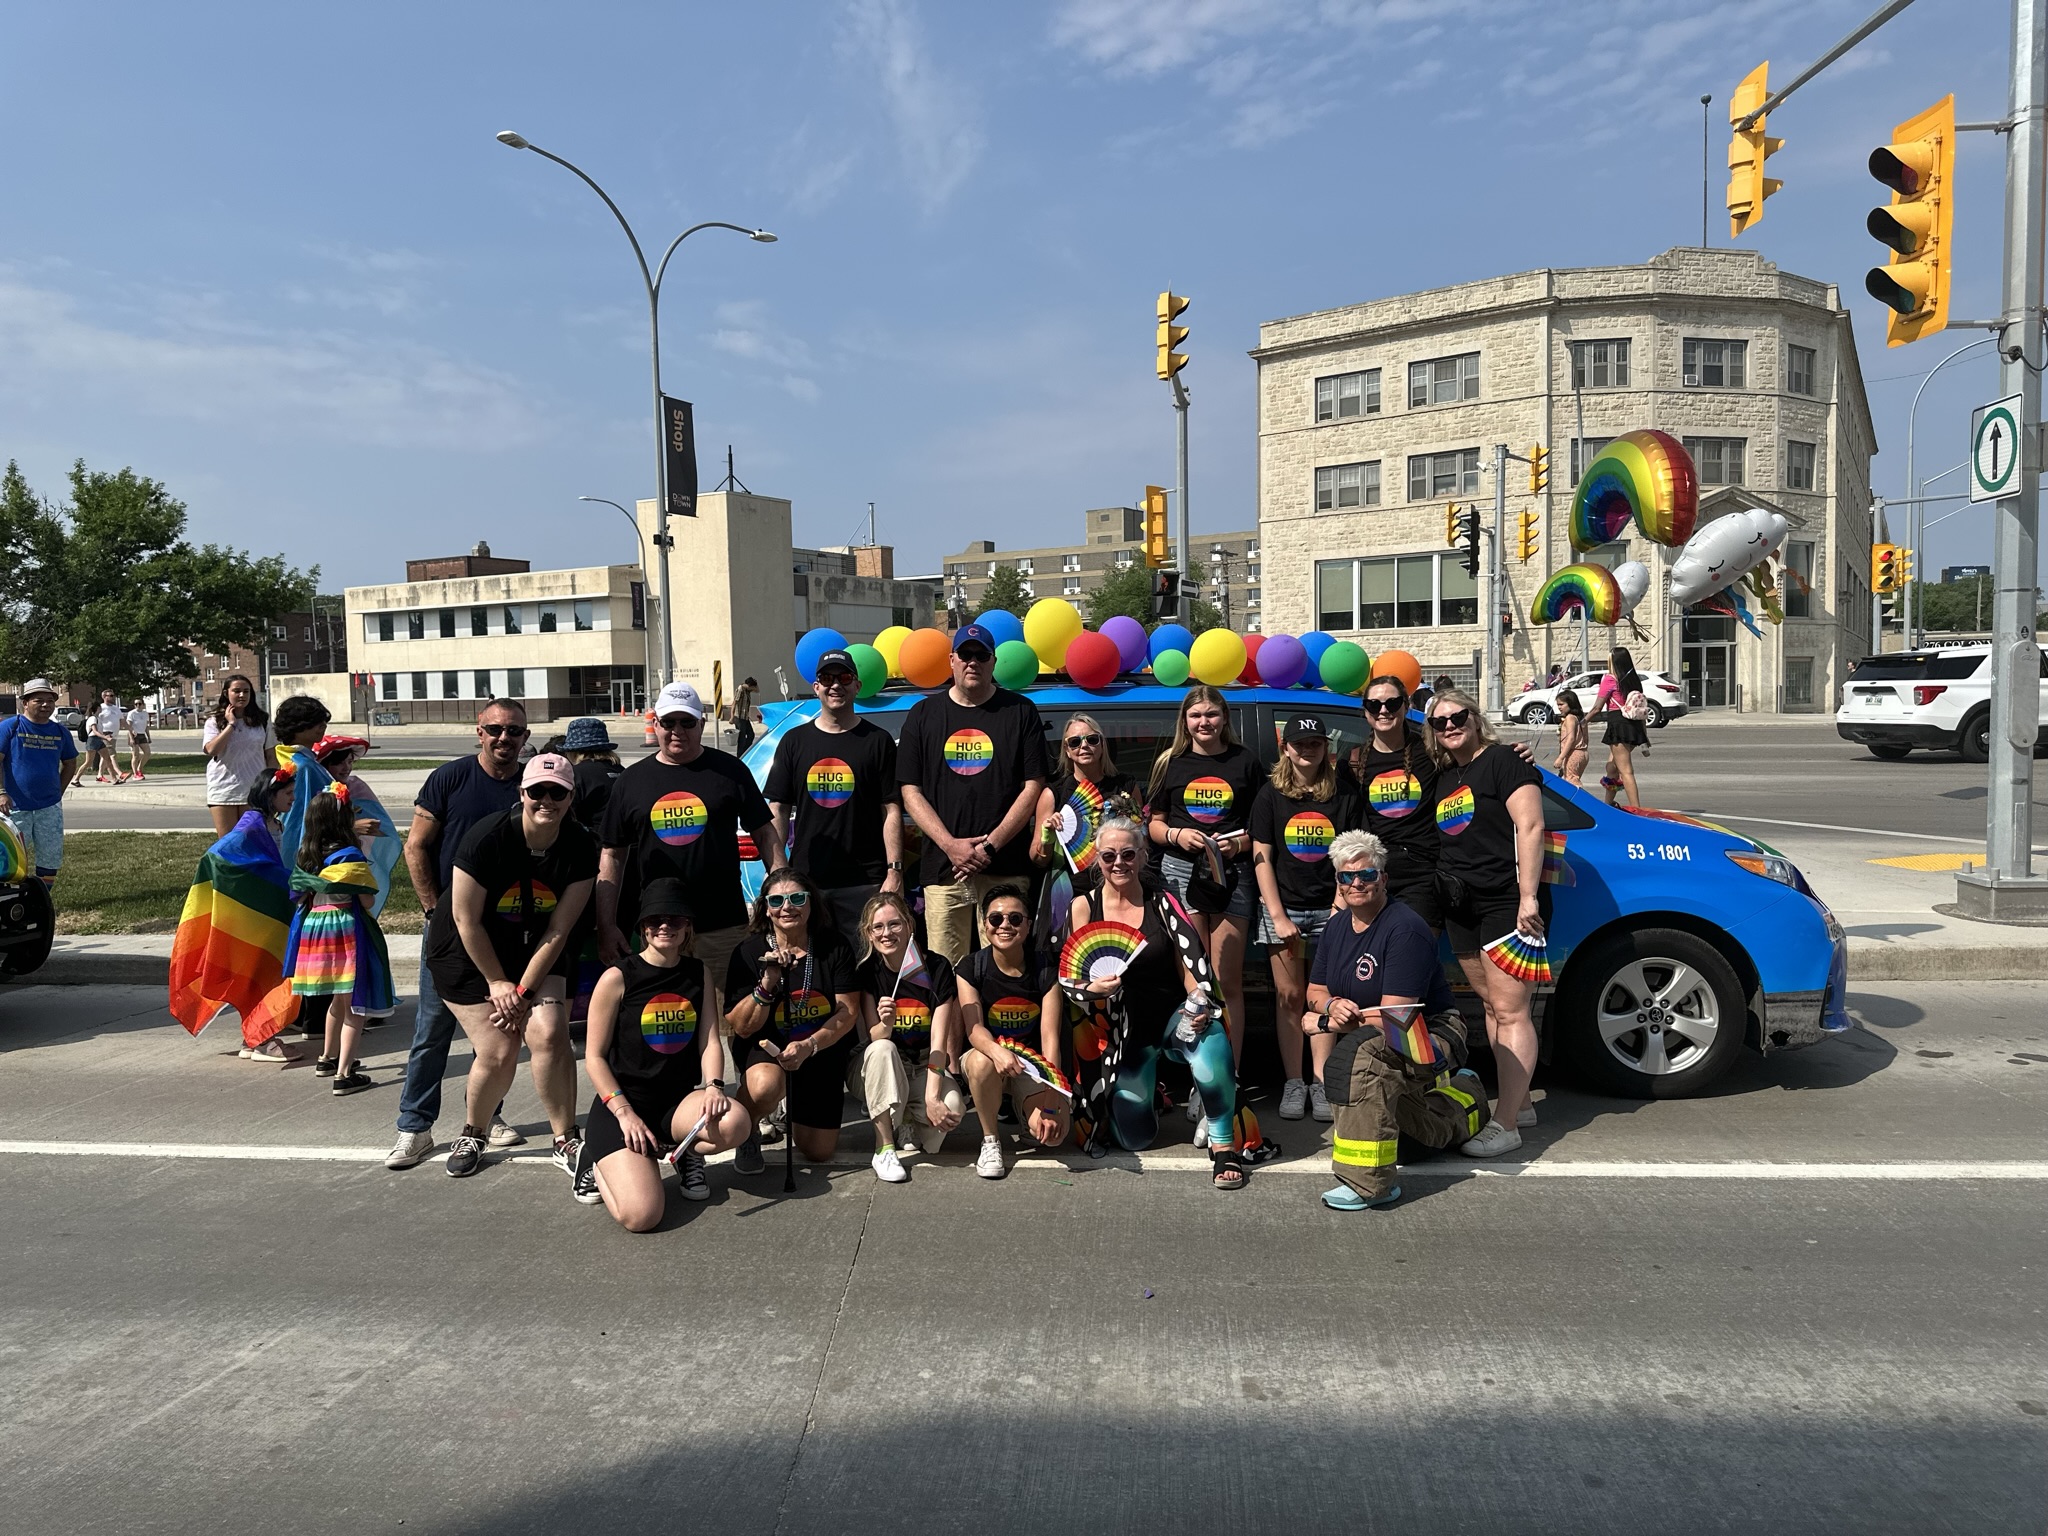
(1555, 870)
(1407, 1033)
(1521, 957)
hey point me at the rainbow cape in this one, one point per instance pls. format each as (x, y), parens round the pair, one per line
(1079, 819)
(1555, 870)
(1036, 1066)
(308, 780)
(229, 948)
(1521, 957)
(1406, 1032)
(1099, 949)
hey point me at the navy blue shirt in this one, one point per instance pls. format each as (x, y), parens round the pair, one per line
(458, 795)
(1396, 953)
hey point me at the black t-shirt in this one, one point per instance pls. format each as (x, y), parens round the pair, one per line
(1397, 953)
(656, 1038)
(1478, 834)
(811, 988)
(683, 822)
(1400, 790)
(1210, 794)
(915, 1002)
(839, 786)
(1010, 1005)
(594, 778)
(1300, 830)
(521, 889)
(458, 795)
(971, 762)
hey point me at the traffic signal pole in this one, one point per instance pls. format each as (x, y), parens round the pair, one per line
(1180, 414)
(1496, 589)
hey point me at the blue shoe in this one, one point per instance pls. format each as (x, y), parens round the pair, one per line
(1345, 1198)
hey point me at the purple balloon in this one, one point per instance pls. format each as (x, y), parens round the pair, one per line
(1282, 661)
(1130, 639)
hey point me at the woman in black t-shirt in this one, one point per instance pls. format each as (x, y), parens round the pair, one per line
(1008, 997)
(499, 948)
(1084, 755)
(1398, 780)
(912, 1028)
(794, 1002)
(653, 1037)
(1202, 787)
(1489, 815)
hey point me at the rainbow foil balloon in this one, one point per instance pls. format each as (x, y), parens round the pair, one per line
(1645, 475)
(1588, 587)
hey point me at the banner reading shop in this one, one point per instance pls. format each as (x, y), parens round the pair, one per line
(679, 443)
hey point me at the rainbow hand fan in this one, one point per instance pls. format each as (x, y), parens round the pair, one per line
(1079, 819)
(1037, 1067)
(1407, 1033)
(1555, 870)
(1521, 957)
(1098, 950)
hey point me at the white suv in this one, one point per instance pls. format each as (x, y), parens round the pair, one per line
(1538, 706)
(1939, 698)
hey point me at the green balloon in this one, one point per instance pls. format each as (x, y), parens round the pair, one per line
(1170, 668)
(1345, 667)
(873, 670)
(1016, 665)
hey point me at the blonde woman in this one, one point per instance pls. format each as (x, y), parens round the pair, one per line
(1084, 754)
(911, 1035)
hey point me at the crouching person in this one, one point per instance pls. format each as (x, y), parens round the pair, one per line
(911, 1012)
(1398, 1065)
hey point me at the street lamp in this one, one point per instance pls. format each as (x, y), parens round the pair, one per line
(1916, 526)
(652, 283)
(1220, 575)
(647, 630)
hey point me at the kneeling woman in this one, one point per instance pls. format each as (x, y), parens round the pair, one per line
(912, 1025)
(653, 1037)
(1010, 1002)
(796, 998)
(1164, 1001)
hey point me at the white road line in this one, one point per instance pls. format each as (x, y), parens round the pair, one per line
(1828, 826)
(1149, 1162)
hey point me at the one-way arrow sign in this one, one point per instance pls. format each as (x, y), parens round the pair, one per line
(1994, 449)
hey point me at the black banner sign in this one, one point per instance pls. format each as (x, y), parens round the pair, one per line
(679, 442)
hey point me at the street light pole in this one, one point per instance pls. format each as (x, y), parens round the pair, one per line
(652, 283)
(1916, 528)
(646, 630)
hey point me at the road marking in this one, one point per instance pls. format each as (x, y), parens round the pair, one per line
(1165, 1161)
(1931, 863)
(1826, 826)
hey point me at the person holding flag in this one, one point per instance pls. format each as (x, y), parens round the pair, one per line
(1010, 1005)
(1087, 778)
(301, 720)
(910, 1007)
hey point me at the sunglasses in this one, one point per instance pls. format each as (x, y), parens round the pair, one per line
(796, 901)
(837, 679)
(1005, 920)
(495, 731)
(1357, 876)
(1385, 706)
(679, 725)
(1456, 720)
(1117, 856)
(974, 656)
(1084, 741)
(546, 792)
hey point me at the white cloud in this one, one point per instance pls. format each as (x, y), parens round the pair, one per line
(745, 330)
(932, 115)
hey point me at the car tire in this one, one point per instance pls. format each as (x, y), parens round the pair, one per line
(23, 958)
(1890, 751)
(1618, 999)
(1658, 719)
(1537, 714)
(1973, 741)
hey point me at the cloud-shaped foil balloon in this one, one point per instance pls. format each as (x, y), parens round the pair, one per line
(1719, 555)
(1645, 477)
(1633, 577)
(1588, 587)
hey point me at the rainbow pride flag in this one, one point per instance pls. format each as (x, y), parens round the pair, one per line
(1406, 1032)
(1555, 870)
(229, 948)
(1521, 957)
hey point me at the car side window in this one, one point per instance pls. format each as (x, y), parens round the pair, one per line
(1560, 815)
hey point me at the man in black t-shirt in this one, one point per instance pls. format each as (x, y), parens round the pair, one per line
(835, 778)
(678, 815)
(971, 762)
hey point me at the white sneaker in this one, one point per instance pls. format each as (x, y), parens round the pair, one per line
(889, 1167)
(1194, 1106)
(1525, 1118)
(1201, 1133)
(990, 1163)
(1492, 1140)
(1319, 1104)
(1293, 1099)
(410, 1149)
(932, 1139)
(502, 1135)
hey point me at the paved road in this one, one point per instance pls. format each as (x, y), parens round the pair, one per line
(225, 1346)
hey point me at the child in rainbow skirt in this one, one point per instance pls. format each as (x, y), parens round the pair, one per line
(335, 949)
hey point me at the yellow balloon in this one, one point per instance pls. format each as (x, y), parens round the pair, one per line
(1050, 627)
(1217, 657)
(890, 643)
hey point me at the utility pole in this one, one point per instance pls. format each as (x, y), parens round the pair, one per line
(1496, 589)
(1180, 413)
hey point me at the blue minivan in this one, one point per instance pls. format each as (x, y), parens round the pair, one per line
(1674, 942)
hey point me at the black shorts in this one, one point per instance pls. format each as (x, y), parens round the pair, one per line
(1416, 889)
(1237, 897)
(815, 1091)
(601, 1133)
(1477, 915)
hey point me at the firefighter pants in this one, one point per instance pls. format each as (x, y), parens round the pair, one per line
(1384, 1098)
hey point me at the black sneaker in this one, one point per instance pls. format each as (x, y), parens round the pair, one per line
(354, 1080)
(747, 1157)
(690, 1175)
(465, 1156)
(583, 1187)
(326, 1066)
(568, 1153)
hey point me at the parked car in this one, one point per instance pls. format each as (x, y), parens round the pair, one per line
(28, 921)
(1939, 697)
(1539, 705)
(1675, 943)
(71, 716)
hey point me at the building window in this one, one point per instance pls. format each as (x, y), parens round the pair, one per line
(1070, 562)
(1030, 589)
(511, 619)
(419, 685)
(1585, 451)
(1251, 597)
(1347, 485)
(416, 626)
(1397, 592)
(1443, 474)
(585, 615)
(1070, 585)
(1024, 567)
(309, 634)
(479, 621)
(278, 632)
(1799, 682)
(1345, 395)
(483, 683)
(1716, 364)
(1799, 370)
(991, 568)
(280, 662)
(1718, 459)
(383, 626)
(515, 683)
(1799, 459)
(1444, 380)
(905, 617)
(451, 685)
(547, 620)
(390, 685)
(446, 623)
(1600, 364)
(1798, 592)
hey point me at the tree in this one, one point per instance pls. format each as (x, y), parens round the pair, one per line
(105, 591)
(1005, 590)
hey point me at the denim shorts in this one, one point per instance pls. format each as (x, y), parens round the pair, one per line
(1310, 924)
(43, 833)
(1240, 891)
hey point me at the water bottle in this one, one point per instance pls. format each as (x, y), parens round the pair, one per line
(1189, 1019)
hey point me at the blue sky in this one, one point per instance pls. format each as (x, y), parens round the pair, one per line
(274, 257)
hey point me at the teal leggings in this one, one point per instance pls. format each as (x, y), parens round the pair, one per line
(1134, 1099)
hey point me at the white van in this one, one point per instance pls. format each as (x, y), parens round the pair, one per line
(1939, 698)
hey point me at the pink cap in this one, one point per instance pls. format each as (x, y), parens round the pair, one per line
(548, 768)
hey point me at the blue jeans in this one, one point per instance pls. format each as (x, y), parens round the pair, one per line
(433, 1031)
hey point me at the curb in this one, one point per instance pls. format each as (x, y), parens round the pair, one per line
(118, 970)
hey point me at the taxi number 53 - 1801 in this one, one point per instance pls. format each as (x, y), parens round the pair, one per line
(1673, 851)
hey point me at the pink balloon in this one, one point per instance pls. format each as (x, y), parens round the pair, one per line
(1130, 640)
(1283, 661)
(1250, 674)
(1092, 660)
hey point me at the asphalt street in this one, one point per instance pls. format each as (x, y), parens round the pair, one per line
(1809, 1302)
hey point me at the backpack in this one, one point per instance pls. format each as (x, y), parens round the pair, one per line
(1636, 707)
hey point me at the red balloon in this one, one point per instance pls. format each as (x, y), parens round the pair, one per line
(1250, 674)
(1093, 660)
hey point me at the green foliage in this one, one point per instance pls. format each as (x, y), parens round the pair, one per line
(1951, 606)
(1005, 590)
(104, 592)
(1129, 591)
(1206, 616)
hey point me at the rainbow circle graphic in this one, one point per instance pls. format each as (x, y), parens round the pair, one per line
(1644, 476)
(1098, 950)
(1454, 811)
(913, 1019)
(543, 902)
(1394, 793)
(830, 782)
(668, 1022)
(1010, 1018)
(969, 751)
(1307, 835)
(1588, 588)
(1207, 800)
(804, 1013)
(678, 818)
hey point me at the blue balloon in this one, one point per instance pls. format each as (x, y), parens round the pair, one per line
(814, 644)
(1315, 642)
(1003, 624)
(1170, 637)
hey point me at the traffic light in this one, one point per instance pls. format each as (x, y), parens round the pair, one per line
(1905, 567)
(1453, 525)
(1166, 594)
(1748, 186)
(1918, 165)
(1468, 536)
(1171, 306)
(1155, 526)
(1539, 471)
(1526, 538)
(1884, 567)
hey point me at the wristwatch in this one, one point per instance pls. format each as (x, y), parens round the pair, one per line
(896, 865)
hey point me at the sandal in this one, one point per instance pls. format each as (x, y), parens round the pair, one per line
(1227, 1170)
(269, 1051)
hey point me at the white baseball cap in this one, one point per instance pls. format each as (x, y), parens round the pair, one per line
(36, 685)
(678, 699)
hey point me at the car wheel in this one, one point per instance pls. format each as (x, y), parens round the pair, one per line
(1973, 741)
(1538, 714)
(1655, 1014)
(1890, 751)
(1658, 719)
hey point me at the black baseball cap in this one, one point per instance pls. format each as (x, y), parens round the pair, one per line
(835, 661)
(665, 898)
(1302, 727)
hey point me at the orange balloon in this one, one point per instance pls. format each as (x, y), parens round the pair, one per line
(926, 659)
(1398, 664)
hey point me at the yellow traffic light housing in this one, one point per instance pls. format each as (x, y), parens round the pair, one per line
(1884, 567)
(1156, 550)
(1526, 536)
(1905, 567)
(1539, 470)
(1919, 167)
(1171, 306)
(1748, 186)
(1453, 525)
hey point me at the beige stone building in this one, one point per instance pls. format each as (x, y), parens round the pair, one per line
(1374, 417)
